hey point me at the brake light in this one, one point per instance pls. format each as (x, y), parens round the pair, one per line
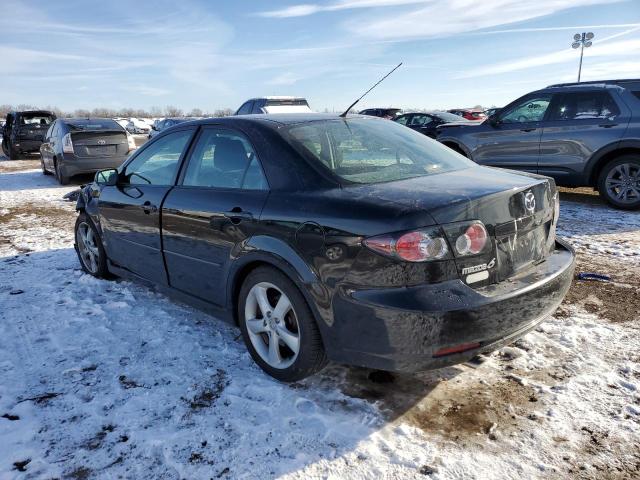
(472, 241)
(131, 141)
(416, 246)
(67, 144)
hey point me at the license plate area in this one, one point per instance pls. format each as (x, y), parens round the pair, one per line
(519, 250)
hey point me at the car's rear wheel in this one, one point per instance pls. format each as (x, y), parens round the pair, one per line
(62, 179)
(619, 182)
(91, 254)
(44, 169)
(278, 326)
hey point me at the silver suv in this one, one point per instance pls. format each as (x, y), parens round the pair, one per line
(581, 134)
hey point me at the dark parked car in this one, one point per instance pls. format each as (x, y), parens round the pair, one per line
(352, 239)
(166, 123)
(581, 134)
(427, 123)
(23, 132)
(388, 113)
(473, 114)
(73, 146)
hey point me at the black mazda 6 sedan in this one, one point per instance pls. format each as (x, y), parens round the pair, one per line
(323, 238)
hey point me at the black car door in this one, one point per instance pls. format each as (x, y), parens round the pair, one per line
(513, 141)
(130, 210)
(216, 205)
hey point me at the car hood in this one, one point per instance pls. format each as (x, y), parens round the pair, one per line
(492, 195)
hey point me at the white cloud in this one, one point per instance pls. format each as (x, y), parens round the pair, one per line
(305, 9)
(441, 18)
(613, 49)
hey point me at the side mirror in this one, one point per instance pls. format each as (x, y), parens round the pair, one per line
(494, 120)
(107, 178)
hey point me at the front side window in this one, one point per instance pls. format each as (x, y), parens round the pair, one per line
(362, 150)
(224, 159)
(584, 106)
(531, 109)
(157, 164)
(402, 120)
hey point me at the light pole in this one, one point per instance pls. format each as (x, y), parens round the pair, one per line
(582, 40)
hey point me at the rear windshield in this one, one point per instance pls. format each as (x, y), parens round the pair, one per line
(362, 150)
(93, 124)
(35, 118)
(286, 101)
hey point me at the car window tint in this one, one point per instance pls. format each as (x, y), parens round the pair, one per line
(370, 151)
(245, 108)
(402, 120)
(584, 106)
(256, 107)
(420, 120)
(531, 109)
(157, 164)
(224, 159)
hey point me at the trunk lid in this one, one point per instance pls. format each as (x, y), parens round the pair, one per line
(100, 143)
(517, 209)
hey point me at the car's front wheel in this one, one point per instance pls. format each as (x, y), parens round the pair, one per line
(91, 254)
(619, 182)
(278, 326)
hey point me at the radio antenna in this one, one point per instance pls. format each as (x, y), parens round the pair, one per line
(344, 114)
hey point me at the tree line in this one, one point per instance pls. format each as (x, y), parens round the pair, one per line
(168, 111)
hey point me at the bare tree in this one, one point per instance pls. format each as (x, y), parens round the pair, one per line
(225, 112)
(171, 111)
(195, 112)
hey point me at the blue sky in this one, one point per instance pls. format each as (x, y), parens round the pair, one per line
(215, 54)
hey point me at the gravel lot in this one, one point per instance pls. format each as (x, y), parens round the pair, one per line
(108, 379)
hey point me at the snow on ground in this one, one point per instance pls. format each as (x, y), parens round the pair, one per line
(109, 379)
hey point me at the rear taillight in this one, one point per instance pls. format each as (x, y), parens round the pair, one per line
(415, 246)
(67, 144)
(472, 241)
(131, 141)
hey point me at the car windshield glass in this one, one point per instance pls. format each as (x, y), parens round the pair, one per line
(361, 150)
(93, 124)
(38, 119)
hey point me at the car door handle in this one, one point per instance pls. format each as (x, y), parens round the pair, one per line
(607, 125)
(528, 129)
(236, 215)
(148, 207)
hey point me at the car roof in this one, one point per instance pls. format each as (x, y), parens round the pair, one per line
(276, 97)
(277, 119)
(628, 82)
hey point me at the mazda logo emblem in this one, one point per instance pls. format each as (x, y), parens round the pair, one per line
(530, 202)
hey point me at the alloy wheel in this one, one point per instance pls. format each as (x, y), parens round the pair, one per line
(272, 325)
(623, 183)
(88, 247)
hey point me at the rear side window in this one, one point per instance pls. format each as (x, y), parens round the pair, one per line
(402, 120)
(224, 159)
(245, 108)
(157, 164)
(584, 106)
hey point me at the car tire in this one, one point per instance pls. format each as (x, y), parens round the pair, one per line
(619, 182)
(13, 153)
(44, 169)
(62, 179)
(271, 337)
(88, 245)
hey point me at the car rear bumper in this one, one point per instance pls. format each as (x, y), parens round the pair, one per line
(72, 165)
(400, 329)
